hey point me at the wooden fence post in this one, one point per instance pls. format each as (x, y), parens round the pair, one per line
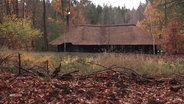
(47, 66)
(19, 62)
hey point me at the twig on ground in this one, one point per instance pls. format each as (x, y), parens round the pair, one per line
(56, 71)
(3, 59)
(176, 88)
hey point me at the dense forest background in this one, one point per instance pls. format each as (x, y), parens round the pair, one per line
(32, 24)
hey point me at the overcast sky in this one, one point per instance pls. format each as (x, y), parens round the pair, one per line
(127, 3)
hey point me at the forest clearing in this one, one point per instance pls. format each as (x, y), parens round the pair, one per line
(80, 52)
(91, 78)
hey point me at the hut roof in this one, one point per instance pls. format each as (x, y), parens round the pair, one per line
(128, 34)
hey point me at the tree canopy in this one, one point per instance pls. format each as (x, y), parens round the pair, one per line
(23, 19)
(164, 19)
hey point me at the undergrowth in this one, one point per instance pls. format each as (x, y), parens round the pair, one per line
(149, 65)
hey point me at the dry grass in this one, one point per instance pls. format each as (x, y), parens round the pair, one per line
(144, 64)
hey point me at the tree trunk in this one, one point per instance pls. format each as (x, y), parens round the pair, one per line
(1, 11)
(165, 12)
(34, 12)
(17, 7)
(68, 16)
(45, 27)
(7, 4)
(23, 9)
(62, 8)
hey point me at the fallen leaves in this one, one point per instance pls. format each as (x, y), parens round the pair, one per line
(107, 87)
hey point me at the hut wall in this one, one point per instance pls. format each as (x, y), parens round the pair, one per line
(147, 49)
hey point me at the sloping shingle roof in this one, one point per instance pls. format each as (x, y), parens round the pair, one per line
(105, 35)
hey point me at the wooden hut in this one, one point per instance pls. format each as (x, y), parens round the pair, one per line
(98, 38)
